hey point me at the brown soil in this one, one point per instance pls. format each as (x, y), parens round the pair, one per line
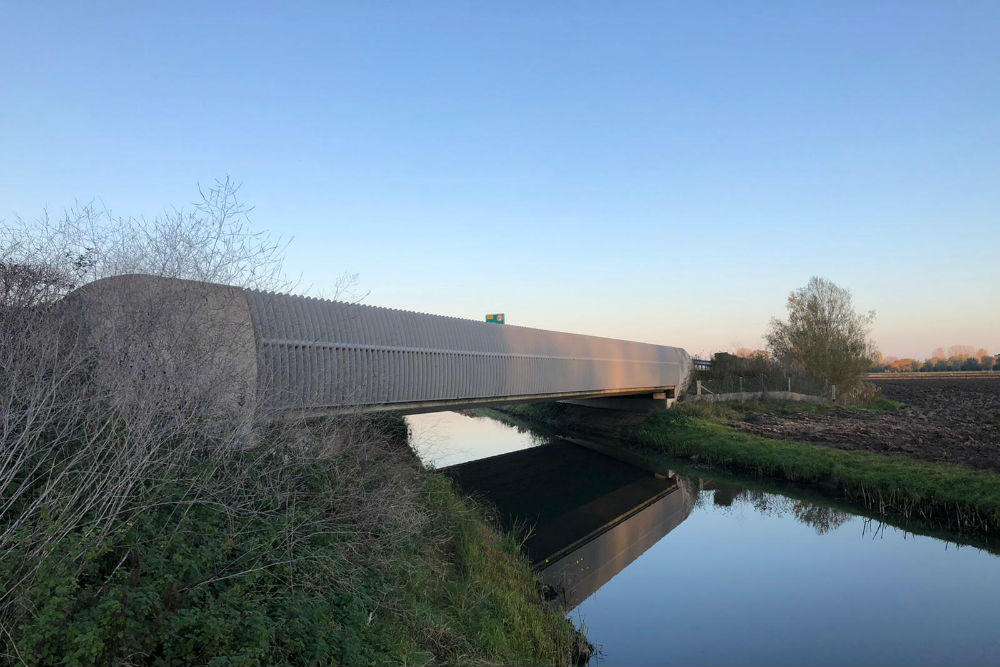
(956, 420)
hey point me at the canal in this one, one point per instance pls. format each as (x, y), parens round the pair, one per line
(665, 567)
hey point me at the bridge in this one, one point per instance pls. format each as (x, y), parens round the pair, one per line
(308, 356)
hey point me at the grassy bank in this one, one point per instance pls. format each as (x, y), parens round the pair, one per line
(952, 496)
(356, 557)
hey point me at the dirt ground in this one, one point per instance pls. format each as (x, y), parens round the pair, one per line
(944, 419)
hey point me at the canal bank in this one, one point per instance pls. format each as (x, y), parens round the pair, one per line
(947, 496)
(327, 544)
(729, 568)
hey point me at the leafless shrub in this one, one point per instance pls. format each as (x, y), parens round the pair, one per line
(107, 393)
(213, 242)
(861, 393)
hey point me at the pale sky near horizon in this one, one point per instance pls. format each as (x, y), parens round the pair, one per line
(665, 172)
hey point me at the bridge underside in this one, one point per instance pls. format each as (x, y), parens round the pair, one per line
(639, 399)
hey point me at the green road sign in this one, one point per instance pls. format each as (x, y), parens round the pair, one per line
(495, 318)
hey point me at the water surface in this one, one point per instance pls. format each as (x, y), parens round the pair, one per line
(691, 569)
(446, 438)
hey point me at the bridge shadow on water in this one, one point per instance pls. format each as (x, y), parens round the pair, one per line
(589, 515)
(590, 508)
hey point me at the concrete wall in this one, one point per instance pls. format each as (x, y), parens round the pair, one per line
(178, 343)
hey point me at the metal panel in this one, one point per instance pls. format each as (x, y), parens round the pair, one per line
(327, 354)
(315, 354)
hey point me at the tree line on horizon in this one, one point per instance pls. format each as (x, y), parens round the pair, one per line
(955, 358)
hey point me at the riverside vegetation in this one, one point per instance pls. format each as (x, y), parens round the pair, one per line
(353, 557)
(949, 496)
(146, 519)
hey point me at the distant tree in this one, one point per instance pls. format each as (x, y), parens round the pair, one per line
(986, 362)
(962, 352)
(905, 365)
(902, 365)
(824, 335)
(970, 364)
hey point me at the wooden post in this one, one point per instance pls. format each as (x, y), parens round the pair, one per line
(741, 384)
(833, 392)
(698, 384)
(789, 385)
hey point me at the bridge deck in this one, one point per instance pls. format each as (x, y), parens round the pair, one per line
(314, 356)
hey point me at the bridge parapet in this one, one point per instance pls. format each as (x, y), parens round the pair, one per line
(317, 356)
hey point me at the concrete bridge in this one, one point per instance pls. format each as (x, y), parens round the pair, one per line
(308, 356)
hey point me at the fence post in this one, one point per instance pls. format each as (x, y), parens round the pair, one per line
(698, 387)
(789, 385)
(741, 384)
(833, 392)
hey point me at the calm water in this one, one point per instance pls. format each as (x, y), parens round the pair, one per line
(678, 569)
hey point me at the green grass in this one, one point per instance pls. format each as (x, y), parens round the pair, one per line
(821, 497)
(485, 608)
(883, 404)
(944, 493)
(952, 497)
(289, 585)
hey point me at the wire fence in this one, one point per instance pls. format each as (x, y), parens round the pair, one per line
(707, 382)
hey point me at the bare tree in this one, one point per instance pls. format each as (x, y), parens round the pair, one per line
(85, 418)
(107, 394)
(824, 335)
(960, 352)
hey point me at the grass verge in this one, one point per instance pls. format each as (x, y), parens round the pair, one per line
(308, 580)
(947, 495)
(936, 492)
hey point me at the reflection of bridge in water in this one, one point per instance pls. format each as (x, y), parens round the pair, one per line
(591, 515)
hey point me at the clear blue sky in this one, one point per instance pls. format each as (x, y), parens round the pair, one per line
(664, 172)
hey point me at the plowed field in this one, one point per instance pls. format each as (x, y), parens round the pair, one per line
(955, 420)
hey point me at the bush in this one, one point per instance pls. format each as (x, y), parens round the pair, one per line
(247, 572)
(140, 525)
(321, 576)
